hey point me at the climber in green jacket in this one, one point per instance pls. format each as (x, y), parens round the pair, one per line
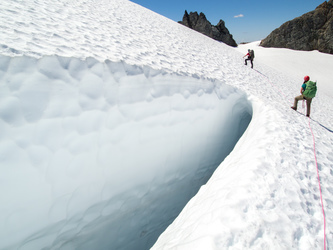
(308, 91)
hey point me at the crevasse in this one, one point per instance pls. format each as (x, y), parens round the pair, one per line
(104, 155)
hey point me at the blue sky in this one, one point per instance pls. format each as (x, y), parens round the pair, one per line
(246, 20)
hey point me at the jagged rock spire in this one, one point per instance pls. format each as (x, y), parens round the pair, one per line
(200, 23)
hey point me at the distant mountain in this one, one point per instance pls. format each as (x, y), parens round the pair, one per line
(311, 31)
(201, 24)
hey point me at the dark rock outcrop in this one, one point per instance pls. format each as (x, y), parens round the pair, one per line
(311, 31)
(201, 24)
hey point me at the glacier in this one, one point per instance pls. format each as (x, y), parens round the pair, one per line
(112, 117)
(102, 143)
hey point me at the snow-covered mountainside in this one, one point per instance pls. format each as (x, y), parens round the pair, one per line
(112, 117)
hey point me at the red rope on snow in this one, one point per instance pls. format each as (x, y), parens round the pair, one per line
(321, 196)
(315, 156)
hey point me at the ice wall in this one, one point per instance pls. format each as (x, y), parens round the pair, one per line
(105, 155)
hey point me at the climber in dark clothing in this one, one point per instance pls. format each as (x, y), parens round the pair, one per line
(250, 56)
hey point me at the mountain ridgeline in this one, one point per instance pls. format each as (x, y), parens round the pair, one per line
(311, 31)
(199, 22)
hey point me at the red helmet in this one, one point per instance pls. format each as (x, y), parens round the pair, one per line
(306, 78)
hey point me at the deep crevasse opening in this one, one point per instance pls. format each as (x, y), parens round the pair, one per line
(105, 155)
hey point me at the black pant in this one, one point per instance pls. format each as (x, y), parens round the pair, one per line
(251, 60)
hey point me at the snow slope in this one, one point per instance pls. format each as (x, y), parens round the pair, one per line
(112, 117)
(296, 63)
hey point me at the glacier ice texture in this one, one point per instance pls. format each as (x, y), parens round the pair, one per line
(104, 155)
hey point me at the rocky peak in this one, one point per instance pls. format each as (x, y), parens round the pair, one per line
(325, 5)
(199, 22)
(311, 31)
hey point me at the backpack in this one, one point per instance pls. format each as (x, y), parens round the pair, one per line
(310, 90)
(252, 53)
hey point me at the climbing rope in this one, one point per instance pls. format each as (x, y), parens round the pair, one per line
(321, 196)
(315, 157)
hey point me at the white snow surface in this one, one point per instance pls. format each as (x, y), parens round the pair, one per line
(112, 117)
